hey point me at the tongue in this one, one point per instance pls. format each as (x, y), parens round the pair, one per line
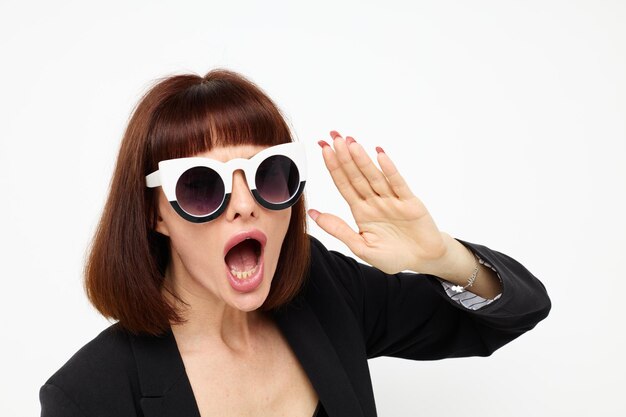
(242, 257)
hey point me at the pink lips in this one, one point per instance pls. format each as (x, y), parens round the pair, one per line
(252, 282)
(241, 236)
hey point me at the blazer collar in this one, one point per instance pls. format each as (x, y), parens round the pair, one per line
(319, 358)
(166, 390)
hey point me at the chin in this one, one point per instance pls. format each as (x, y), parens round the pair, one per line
(251, 300)
(248, 302)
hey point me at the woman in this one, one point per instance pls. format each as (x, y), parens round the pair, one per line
(225, 306)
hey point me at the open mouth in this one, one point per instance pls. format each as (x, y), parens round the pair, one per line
(243, 258)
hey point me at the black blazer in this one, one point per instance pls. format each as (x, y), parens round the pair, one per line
(347, 312)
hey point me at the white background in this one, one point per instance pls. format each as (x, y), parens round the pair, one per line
(508, 119)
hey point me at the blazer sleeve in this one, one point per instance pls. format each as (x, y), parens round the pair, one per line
(409, 315)
(55, 403)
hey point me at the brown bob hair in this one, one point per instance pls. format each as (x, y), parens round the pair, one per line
(179, 116)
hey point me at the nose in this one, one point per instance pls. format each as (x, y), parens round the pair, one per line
(242, 202)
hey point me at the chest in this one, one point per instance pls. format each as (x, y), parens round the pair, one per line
(268, 382)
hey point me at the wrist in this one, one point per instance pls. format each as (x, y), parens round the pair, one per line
(456, 264)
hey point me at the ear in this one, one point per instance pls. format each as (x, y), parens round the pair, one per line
(161, 225)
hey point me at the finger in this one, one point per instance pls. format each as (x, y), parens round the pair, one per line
(338, 228)
(398, 185)
(377, 180)
(339, 177)
(353, 173)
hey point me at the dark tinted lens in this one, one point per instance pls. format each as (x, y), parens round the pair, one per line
(277, 179)
(200, 191)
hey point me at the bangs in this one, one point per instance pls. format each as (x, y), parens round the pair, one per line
(213, 111)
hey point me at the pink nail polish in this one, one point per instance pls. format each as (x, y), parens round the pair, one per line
(334, 134)
(313, 213)
(379, 149)
(322, 143)
(350, 139)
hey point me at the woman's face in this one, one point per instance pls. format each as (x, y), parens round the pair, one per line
(202, 268)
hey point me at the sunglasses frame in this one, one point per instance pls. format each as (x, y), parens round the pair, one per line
(170, 171)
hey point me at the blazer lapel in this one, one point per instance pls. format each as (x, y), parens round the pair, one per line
(165, 388)
(319, 359)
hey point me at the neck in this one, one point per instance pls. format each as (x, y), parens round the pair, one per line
(210, 322)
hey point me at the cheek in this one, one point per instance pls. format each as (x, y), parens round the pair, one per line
(195, 263)
(278, 230)
(193, 247)
(285, 222)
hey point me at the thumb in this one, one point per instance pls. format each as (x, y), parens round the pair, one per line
(338, 228)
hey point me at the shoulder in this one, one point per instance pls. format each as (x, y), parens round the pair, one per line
(328, 266)
(100, 370)
(107, 352)
(330, 262)
(342, 272)
(338, 279)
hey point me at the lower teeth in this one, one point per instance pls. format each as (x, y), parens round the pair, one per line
(244, 274)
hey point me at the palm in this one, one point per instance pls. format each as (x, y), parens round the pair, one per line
(396, 232)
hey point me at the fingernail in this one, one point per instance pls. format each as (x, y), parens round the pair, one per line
(322, 143)
(313, 213)
(379, 149)
(350, 139)
(334, 134)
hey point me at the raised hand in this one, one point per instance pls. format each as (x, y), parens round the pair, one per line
(396, 232)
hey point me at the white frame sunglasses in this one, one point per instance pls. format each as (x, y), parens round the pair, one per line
(171, 170)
